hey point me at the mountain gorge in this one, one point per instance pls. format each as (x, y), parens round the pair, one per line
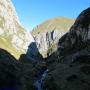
(55, 57)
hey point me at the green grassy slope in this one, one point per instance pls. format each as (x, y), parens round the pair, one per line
(6, 44)
(59, 23)
(6, 40)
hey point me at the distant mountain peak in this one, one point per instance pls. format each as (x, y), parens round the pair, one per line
(57, 23)
(48, 33)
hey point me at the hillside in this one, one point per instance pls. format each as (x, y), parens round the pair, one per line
(59, 23)
(48, 33)
(13, 37)
(70, 65)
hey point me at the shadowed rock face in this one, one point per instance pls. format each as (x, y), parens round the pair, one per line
(33, 52)
(78, 37)
(8, 70)
(6, 55)
(71, 70)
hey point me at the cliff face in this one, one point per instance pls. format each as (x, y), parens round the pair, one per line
(13, 37)
(77, 39)
(70, 67)
(47, 41)
(47, 34)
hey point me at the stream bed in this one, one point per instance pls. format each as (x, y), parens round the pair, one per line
(38, 82)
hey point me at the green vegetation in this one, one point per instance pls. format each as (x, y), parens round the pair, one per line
(5, 43)
(1, 21)
(59, 23)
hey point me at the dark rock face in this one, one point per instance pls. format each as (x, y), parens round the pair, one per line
(7, 69)
(78, 38)
(33, 52)
(6, 55)
(70, 70)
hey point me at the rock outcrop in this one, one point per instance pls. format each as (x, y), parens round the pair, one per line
(76, 41)
(13, 37)
(47, 41)
(47, 34)
(71, 69)
(33, 52)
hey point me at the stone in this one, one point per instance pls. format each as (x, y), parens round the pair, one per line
(70, 70)
(17, 37)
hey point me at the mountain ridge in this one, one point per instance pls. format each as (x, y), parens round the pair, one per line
(48, 33)
(53, 23)
(13, 36)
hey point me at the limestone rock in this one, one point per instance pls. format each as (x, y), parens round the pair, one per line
(11, 30)
(48, 33)
(47, 41)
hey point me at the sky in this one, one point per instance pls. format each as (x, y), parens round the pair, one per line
(34, 12)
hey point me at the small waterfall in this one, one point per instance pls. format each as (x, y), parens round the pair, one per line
(38, 82)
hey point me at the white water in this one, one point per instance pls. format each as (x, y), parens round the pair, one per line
(38, 82)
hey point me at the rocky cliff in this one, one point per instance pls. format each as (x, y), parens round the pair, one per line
(70, 65)
(47, 34)
(76, 41)
(13, 37)
(47, 41)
